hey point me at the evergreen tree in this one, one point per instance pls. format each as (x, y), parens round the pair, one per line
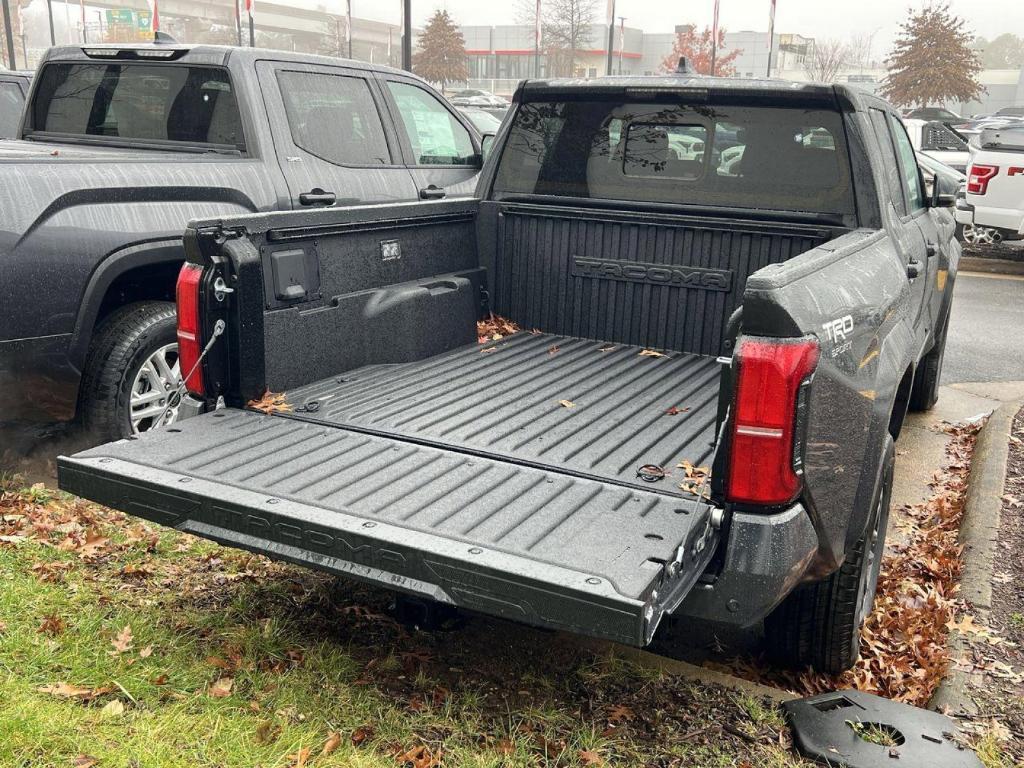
(932, 61)
(441, 57)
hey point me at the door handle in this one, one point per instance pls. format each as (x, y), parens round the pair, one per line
(432, 193)
(317, 196)
(913, 269)
(931, 249)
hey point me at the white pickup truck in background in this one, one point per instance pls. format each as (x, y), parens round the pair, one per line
(992, 210)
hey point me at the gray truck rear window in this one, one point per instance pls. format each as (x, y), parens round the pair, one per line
(138, 102)
(779, 158)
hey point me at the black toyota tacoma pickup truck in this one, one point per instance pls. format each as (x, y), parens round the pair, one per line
(732, 275)
(122, 146)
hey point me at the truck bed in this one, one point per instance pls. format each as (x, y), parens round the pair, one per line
(504, 399)
(460, 476)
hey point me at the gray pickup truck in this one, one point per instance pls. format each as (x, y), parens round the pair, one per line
(122, 146)
(733, 276)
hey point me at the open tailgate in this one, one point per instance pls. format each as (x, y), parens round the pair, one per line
(540, 546)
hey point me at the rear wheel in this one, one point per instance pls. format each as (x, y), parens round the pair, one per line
(819, 624)
(972, 234)
(131, 381)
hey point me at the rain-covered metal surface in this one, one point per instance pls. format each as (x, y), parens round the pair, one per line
(595, 408)
(74, 218)
(515, 541)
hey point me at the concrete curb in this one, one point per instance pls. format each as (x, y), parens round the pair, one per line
(979, 531)
(993, 266)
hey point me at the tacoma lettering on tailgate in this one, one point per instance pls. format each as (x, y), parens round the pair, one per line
(654, 274)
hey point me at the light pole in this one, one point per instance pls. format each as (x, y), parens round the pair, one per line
(348, 26)
(407, 35)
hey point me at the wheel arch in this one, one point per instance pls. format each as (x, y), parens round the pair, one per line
(135, 273)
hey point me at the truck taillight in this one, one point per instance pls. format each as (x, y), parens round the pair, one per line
(190, 343)
(764, 459)
(978, 177)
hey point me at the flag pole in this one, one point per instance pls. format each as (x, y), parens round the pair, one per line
(611, 36)
(250, 6)
(9, 34)
(536, 42)
(714, 40)
(771, 37)
(238, 24)
(348, 28)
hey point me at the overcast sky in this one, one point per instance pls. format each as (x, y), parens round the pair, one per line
(814, 18)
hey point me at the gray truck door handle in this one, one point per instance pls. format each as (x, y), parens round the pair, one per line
(432, 193)
(913, 269)
(931, 249)
(317, 197)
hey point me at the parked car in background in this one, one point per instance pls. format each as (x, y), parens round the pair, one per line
(474, 97)
(122, 145)
(13, 91)
(484, 121)
(993, 208)
(938, 141)
(1011, 112)
(932, 113)
(794, 310)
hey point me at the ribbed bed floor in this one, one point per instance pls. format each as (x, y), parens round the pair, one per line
(511, 398)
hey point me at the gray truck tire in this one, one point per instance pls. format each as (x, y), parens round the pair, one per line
(124, 342)
(818, 625)
(924, 392)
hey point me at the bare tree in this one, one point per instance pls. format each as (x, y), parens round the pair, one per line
(825, 59)
(565, 29)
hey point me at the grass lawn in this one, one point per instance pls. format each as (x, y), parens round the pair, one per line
(122, 644)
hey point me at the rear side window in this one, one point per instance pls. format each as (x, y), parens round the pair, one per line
(11, 102)
(739, 156)
(138, 102)
(334, 117)
(890, 166)
(437, 138)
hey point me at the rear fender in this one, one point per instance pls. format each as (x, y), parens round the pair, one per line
(853, 295)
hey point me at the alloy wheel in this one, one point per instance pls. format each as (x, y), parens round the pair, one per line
(156, 390)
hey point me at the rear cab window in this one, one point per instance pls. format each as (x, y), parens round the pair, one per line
(779, 157)
(174, 105)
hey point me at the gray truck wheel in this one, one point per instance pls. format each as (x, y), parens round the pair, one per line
(819, 624)
(924, 392)
(131, 375)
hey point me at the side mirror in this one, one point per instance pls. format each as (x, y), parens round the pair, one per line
(486, 143)
(942, 195)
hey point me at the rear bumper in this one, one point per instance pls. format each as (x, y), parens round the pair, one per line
(37, 381)
(1009, 219)
(765, 557)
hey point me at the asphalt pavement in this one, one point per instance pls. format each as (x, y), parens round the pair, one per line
(986, 331)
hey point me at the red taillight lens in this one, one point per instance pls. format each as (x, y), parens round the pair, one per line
(761, 467)
(190, 342)
(978, 177)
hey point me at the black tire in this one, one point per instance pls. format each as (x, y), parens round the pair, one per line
(123, 341)
(819, 624)
(924, 392)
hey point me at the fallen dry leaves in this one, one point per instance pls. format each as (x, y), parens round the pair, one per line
(419, 757)
(332, 743)
(52, 625)
(221, 688)
(68, 691)
(495, 327)
(695, 479)
(271, 402)
(651, 353)
(567, 403)
(123, 642)
(904, 643)
(361, 734)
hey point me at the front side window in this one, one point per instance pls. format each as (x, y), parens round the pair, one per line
(334, 118)
(11, 102)
(140, 103)
(437, 138)
(908, 165)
